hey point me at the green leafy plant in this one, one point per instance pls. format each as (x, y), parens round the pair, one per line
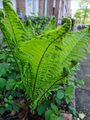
(39, 22)
(49, 109)
(74, 112)
(65, 92)
(8, 104)
(9, 78)
(43, 61)
(73, 23)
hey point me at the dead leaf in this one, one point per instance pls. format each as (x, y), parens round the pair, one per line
(87, 75)
(23, 113)
(62, 111)
(26, 107)
(66, 116)
(27, 118)
(22, 101)
(13, 113)
(23, 118)
(81, 115)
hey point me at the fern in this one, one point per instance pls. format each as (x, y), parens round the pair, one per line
(48, 60)
(14, 30)
(29, 28)
(50, 26)
(13, 24)
(43, 61)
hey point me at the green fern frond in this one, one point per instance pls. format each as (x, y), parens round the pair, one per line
(44, 58)
(50, 26)
(48, 58)
(30, 29)
(47, 61)
(13, 24)
(2, 15)
(8, 38)
(10, 29)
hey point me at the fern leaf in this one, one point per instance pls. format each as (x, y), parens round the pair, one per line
(50, 26)
(47, 62)
(2, 15)
(44, 58)
(48, 57)
(13, 24)
(8, 38)
(30, 29)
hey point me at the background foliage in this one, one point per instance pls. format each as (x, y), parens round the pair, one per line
(39, 22)
(83, 12)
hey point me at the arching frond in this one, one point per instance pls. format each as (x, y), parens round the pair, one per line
(30, 29)
(43, 56)
(13, 24)
(50, 26)
(47, 59)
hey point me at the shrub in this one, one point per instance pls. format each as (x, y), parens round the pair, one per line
(73, 23)
(39, 22)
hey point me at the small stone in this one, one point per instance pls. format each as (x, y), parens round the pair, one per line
(82, 115)
(13, 113)
(78, 119)
(66, 116)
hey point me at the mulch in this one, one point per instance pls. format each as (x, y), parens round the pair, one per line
(24, 113)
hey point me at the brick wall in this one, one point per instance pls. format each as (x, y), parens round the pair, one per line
(67, 6)
(57, 8)
(49, 7)
(62, 5)
(20, 6)
(41, 5)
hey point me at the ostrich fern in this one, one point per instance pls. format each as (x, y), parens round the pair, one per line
(43, 61)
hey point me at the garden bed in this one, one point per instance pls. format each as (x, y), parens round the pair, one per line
(24, 113)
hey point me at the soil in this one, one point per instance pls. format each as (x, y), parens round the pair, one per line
(24, 113)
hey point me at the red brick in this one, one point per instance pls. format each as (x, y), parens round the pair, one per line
(20, 6)
(41, 5)
(49, 7)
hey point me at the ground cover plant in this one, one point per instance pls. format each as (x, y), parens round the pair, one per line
(9, 80)
(44, 61)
